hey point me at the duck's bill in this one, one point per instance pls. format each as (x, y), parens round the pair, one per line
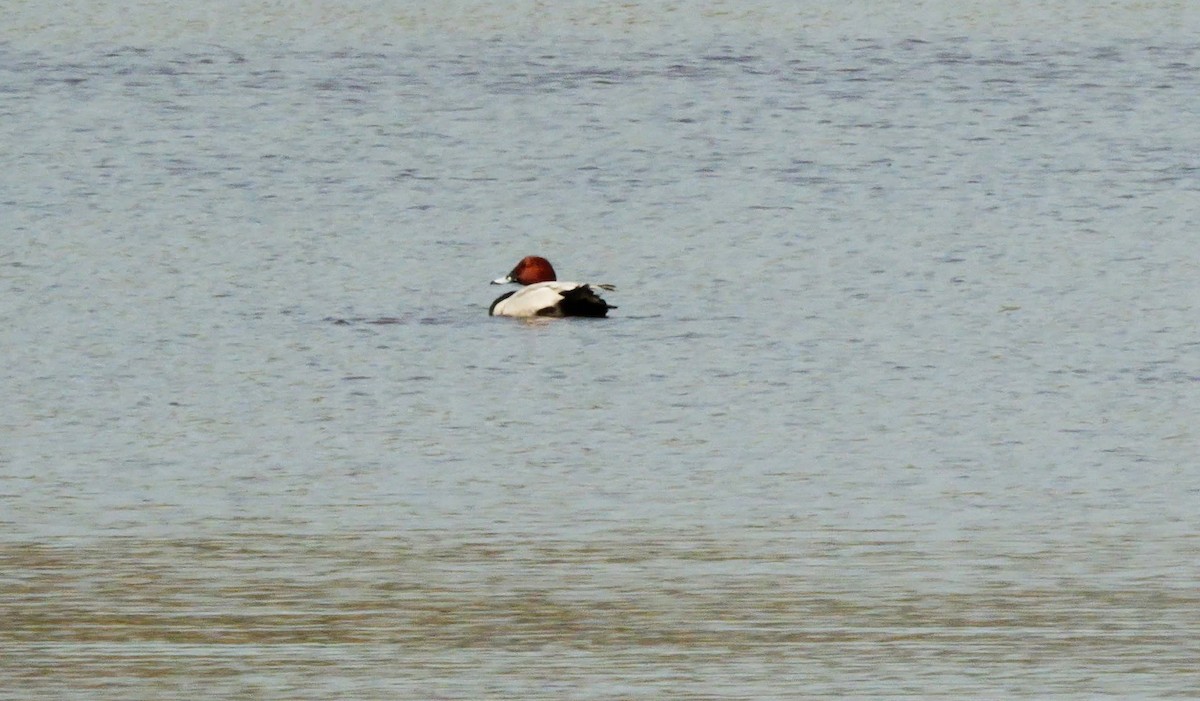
(502, 280)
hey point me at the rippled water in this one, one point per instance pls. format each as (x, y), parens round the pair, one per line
(619, 615)
(899, 400)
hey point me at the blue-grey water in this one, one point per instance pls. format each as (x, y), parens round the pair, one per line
(900, 399)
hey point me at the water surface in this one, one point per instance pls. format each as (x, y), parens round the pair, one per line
(899, 400)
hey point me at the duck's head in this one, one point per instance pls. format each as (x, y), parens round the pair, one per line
(530, 270)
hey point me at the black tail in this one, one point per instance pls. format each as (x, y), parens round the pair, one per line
(583, 301)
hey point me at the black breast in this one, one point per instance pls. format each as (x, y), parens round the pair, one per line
(501, 298)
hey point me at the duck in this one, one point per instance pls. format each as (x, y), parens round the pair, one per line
(543, 294)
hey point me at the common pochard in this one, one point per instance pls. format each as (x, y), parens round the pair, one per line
(543, 295)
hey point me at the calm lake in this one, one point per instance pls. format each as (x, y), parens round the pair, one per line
(900, 399)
